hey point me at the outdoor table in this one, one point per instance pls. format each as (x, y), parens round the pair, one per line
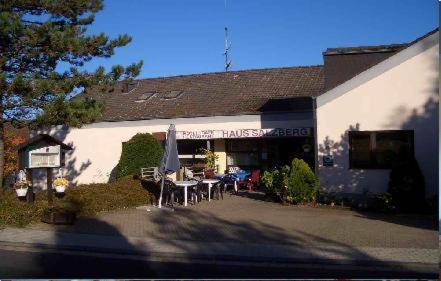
(210, 183)
(222, 176)
(185, 185)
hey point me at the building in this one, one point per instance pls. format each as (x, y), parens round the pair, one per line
(349, 118)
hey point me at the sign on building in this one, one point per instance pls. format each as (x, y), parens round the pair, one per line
(45, 157)
(244, 133)
(328, 160)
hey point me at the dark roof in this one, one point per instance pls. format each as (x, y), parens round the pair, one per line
(238, 92)
(342, 64)
(46, 139)
(364, 49)
(298, 104)
(210, 94)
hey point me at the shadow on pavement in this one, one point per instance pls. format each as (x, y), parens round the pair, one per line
(188, 231)
(412, 220)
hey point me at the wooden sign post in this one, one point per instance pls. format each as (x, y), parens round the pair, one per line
(50, 195)
(39, 152)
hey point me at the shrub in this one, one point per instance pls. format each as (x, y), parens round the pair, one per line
(382, 203)
(302, 183)
(295, 184)
(93, 198)
(328, 197)
(276, 182)
(19, 213)
(86, 200)
(142, 150)
(407, 187)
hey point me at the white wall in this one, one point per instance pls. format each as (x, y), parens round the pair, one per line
(399, 93)
(97, 147)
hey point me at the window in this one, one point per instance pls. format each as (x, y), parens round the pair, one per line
(193, 147)
(379, 149)
(242, 153)
(190, 152)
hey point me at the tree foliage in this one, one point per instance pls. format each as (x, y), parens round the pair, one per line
(44, 45)
(36, 37)
(73, 113)
(12, 141)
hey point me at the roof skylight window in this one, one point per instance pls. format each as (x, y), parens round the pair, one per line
(172, 95)
(145, 97)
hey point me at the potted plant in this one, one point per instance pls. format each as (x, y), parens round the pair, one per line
(210, 159)
(21, 188)
(60, 184)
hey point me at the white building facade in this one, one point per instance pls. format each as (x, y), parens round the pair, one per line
(259, 119)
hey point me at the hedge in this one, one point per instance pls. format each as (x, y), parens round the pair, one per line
(18, 213)
(141, 151)
(86, 200)
(93, 198)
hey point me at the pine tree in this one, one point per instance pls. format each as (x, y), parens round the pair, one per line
(36, 36)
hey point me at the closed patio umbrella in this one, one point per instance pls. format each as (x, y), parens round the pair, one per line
(170, 160)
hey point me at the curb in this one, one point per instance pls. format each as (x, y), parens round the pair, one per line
(219, 259)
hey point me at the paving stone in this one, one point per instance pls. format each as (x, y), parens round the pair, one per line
(248, 225)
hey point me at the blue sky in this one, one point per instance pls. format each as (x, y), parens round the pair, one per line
(177, 37)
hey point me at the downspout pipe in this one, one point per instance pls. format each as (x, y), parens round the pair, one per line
(316, 158)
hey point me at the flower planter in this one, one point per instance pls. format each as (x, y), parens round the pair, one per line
(58, 217)
(60, 188)
(21, 192)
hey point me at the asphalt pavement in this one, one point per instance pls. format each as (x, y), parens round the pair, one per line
(17, 263)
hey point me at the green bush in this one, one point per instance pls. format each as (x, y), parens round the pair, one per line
(15, 212)
(86, 200)
(302, 183)
(276, 181)
(267, 180)
(382, 203)
(407, 187)
(93, 198)
(141, 151)
(295, 184)
(375, 202)
(281, 177)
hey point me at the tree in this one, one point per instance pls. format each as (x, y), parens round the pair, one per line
(12, 141)
(38, 36)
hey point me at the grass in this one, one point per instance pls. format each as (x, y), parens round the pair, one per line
(86, 200)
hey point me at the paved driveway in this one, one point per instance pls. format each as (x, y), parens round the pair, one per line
(248, 218)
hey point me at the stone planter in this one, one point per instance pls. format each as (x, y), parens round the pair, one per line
(58, 217)
(60, 188)
(21, 192)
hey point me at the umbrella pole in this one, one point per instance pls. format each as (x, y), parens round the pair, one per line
(160, 195)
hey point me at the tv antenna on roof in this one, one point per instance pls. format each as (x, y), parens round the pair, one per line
(227, 46)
